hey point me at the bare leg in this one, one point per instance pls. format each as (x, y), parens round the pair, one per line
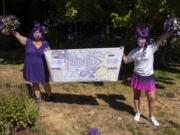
(47, 88)
(30, 89)
(37, 90)
(136, 98)
(151, 103)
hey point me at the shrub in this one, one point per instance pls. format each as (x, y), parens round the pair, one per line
(16, 112)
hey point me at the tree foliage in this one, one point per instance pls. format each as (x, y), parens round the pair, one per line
(97, 19)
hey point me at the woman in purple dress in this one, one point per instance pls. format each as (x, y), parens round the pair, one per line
(35, 67)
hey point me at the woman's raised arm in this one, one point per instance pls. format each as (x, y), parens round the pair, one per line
(20, 38)
(163, 37)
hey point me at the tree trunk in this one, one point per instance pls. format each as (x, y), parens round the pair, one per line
(4, 7)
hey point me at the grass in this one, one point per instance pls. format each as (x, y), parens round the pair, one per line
(108, 107)
(169, 131)
(40, 128)
(160, 74)
(134, 130)
(178, 76)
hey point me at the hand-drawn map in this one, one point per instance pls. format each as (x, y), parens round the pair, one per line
(84, 65)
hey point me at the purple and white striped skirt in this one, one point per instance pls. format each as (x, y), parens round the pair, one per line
(142, 83)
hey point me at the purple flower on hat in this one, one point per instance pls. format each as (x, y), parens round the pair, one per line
(93, 131)
(40, 28)
(142, 31)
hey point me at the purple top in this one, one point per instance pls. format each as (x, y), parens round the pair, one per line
(35, 67)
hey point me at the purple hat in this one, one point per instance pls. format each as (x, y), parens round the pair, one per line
(39, 27)
(142, 31)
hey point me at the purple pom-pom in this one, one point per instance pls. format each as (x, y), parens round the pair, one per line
(8, 24)
(93, 131)
(172, 25)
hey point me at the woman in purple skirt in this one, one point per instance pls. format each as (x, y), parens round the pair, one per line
(143, 76)
(35, 67)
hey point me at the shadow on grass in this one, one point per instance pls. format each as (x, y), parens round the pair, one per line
(174, 124)
(115, 101)
(159, 86)
(94, 83)
(172, 68)
(165, 80)
(74, 99)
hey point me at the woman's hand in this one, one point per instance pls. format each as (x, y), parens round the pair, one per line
(13, 33)
(125, 59)
(46, 49)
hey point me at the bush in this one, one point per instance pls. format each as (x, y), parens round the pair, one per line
(16, 112)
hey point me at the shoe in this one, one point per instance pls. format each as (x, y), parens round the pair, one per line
(137, 116)
(153, 121)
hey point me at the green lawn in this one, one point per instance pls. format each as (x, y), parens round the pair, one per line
(108, 107)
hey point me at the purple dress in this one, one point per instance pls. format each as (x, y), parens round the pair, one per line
(35, 67)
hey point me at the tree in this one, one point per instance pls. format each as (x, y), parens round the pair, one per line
(3, 7)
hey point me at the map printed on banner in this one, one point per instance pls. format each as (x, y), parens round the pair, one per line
(84, 65)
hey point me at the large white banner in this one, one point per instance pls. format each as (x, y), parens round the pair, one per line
(84, 65)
